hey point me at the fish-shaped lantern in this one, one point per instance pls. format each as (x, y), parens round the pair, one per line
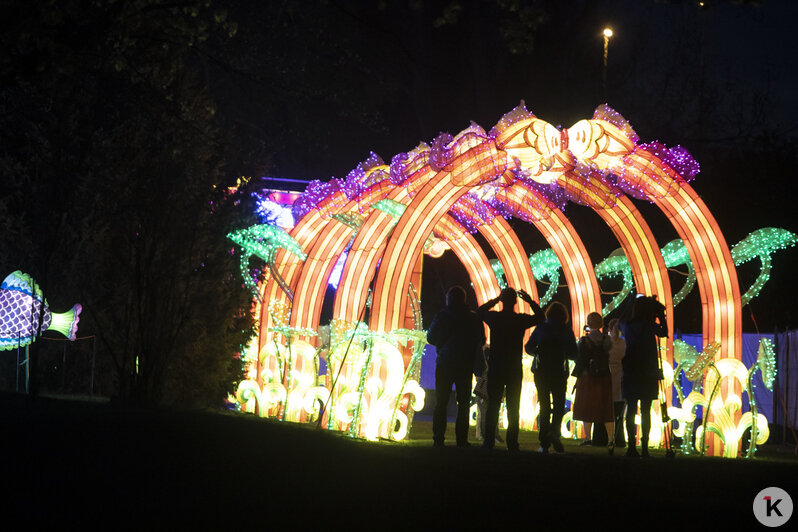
(21, 302)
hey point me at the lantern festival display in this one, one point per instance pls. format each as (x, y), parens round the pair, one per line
(360, 373)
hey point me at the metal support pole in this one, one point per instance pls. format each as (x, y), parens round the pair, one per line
(27, 369)
(93, 358)
(63, 370)
(16, 382)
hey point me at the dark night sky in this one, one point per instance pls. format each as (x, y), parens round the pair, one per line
(718, 81)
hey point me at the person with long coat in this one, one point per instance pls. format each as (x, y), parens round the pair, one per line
(593, 400)
(552, 344)
(458, 336)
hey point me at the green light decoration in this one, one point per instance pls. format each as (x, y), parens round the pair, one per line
(364, 348)
(415, 304)
(685, 356)
(614, 265)
(351, 219)
(280, 315)
(546, 265)
(498, 271)
(391, 207)
(766, 362)
(695, 372)
(674, 253)
(354, 426)
(761, 244)
(721, 410)
(263, 241)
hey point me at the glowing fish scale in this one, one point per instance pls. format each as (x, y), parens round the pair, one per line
(22, 304)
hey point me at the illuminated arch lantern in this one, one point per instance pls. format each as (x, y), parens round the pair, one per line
(383, 218)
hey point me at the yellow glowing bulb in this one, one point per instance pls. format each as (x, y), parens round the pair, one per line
(607, 32)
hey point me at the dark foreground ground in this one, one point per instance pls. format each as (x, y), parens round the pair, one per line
(96, 466)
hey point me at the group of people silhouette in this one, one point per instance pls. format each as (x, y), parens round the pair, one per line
(616, 368)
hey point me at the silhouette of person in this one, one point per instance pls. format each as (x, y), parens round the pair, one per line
(507, 329)
(641, 371)
(593, 401)
(553, 344)
(458, 336)
(617, 352)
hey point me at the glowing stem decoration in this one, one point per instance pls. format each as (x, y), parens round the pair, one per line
(761, 244)
(546, 265)
(708, 408)
(498, 271)
(415, 304)
(685, 356)
(766, 362)
(263, 241)
(754, 410)
(419, 339)
(354, 426)
(616, 264)
(675, 254)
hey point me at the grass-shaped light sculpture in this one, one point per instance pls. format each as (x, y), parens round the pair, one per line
(263, 241)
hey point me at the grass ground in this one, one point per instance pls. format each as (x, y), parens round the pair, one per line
(101, 467)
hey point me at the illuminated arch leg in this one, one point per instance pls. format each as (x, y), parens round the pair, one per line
(714, 268)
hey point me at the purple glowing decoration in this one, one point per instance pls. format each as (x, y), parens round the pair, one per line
(314, 193)
(680, 160)
(441, 152)
(625, 186)
(608, 114)
(398, 167)
(552, 192)
(516, 115)
(363, 176)
(472, 212)
(404, 165)
(22, 304)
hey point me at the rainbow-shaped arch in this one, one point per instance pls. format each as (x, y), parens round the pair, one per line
(526, 168)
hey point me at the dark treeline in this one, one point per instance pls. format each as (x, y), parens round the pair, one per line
(115, 190)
